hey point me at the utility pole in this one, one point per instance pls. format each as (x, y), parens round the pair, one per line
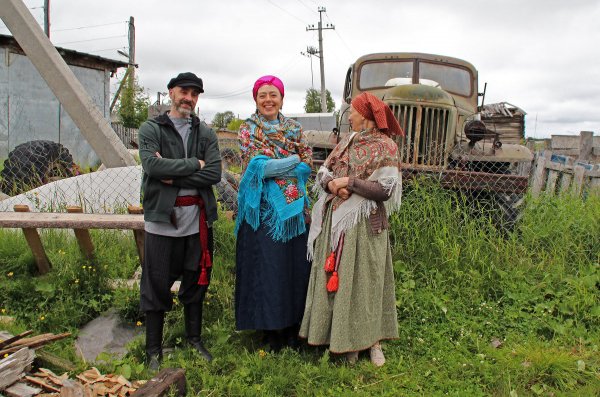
(47, 18)
(131, 39)
(320, 28)
(310, 51)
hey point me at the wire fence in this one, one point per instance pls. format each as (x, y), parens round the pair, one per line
(43, 176)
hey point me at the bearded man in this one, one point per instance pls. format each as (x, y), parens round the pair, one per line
(181, 162)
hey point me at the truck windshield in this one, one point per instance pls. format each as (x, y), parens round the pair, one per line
(377, 74)
(451, 78)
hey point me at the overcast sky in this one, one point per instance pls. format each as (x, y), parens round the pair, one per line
(540, 55)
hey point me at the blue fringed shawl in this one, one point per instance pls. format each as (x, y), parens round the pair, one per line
(261, 200)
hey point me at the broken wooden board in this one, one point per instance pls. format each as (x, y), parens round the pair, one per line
(161, 384)
(14, 366)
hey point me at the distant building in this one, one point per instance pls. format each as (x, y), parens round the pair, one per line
(30, 111)
(315, 121)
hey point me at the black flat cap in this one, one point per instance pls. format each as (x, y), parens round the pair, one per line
(187, 79)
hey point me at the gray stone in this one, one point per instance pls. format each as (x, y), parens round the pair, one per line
(106, 333)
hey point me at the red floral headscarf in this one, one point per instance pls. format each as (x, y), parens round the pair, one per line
(374, 109)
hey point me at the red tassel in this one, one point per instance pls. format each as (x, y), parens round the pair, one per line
(330, 263)
(203, 277)
(332, 284)
(206, 258)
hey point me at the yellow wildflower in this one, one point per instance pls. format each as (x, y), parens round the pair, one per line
(262, 353)
(10, 274)
(138, 324)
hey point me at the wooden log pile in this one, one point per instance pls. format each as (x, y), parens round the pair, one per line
(90, 383)
(17, 380)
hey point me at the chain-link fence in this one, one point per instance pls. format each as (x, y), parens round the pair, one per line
(43, 176)
(493, 178)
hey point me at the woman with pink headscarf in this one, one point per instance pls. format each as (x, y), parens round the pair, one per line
(271, 266)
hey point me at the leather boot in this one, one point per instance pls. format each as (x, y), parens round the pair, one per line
(291, 336)
(155, 321)
(192, 314)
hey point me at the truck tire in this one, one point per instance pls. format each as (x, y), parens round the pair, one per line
(33, 164)
(227, 192)
(504, 209)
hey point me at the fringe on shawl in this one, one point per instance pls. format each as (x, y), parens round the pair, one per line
(250, 193)
(284, 221)
(392, 184)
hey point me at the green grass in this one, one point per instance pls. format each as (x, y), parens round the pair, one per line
(481, 313)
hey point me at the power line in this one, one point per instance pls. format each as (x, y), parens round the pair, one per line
(247, 89)
(304, 4)
(89, 26)
(287, 12)
(342, 39)
(83, 41)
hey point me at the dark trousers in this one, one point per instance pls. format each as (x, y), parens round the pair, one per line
(166, 259)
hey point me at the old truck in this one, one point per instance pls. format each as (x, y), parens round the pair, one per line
(436, 101)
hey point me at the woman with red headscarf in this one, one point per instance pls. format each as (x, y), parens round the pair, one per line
(271, 265)
(351, 302)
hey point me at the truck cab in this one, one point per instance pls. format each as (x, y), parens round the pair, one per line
(435, 100)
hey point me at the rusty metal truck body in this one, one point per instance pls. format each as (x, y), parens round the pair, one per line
(435, 100)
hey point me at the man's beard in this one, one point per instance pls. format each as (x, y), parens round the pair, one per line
(184, 111)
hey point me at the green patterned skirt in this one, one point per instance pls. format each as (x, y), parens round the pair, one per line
(363, 310)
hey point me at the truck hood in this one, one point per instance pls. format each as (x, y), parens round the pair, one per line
(418, 93)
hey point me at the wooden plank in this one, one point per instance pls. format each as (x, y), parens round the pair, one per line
(12, 368)
(565, 182)
(22, 390)
(83, 235)
(585, 145)
(15, 338)
(138, 235)
(161, 384)
(71, 221)
(538, 176)
(33, 240)
(551, 182)
(578, 178)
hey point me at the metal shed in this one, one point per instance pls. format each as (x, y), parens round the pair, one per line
(30, 111)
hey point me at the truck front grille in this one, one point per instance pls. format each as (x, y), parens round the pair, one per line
(426, 128)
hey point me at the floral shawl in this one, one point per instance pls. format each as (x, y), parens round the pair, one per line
(368, 155)
(277, 202)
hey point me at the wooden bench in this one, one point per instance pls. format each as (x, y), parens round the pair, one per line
(74, 219)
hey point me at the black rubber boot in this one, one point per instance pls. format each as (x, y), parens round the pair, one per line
(192, 314)
(291, 336)
(155, 321)
(275, 340)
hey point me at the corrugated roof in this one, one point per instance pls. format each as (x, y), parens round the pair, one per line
(71, 57)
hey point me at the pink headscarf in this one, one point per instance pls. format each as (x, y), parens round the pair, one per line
(268, 80)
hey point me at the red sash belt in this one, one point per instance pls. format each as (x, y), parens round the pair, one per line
(205, 261)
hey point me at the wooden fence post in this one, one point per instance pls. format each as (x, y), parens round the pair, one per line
(578, 177)
(138, 235)
(538, 175)
(83, 235)
(586, 142)
(35, 244)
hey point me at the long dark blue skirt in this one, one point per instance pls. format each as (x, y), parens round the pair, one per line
(271, 280)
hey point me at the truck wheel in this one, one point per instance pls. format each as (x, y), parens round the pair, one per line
(509, 206)
(230, 157)
(504, 209)
(227, 192)
(34, 163)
